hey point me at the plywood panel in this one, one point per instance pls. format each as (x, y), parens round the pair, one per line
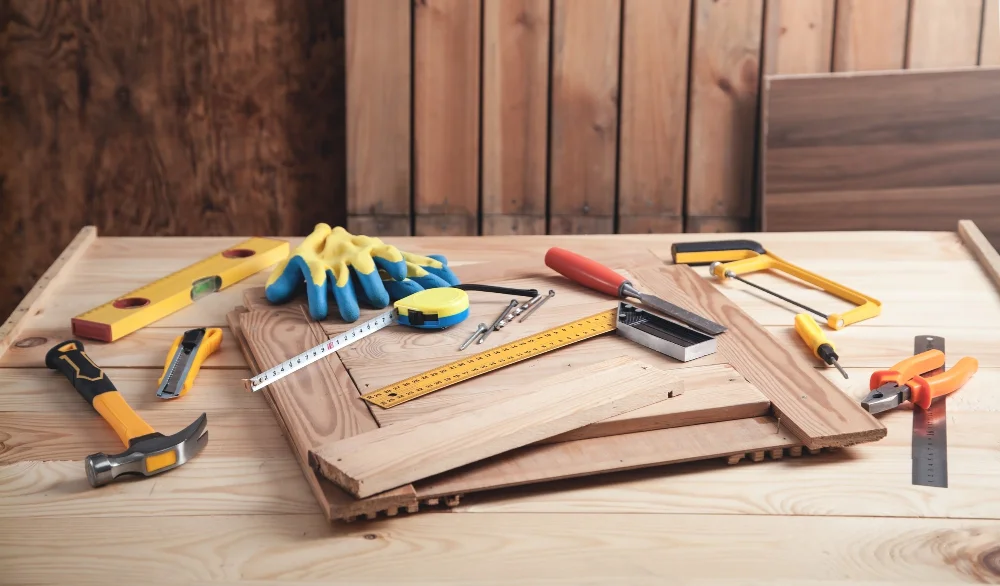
(446, 117)
(377, 35)
(653, 115)
(585, 59)
(944, 33)
(423, 446)
(915, 150)
(723, 108)
(166, 118)
(515, 115)
(870, 35)
(799, 36)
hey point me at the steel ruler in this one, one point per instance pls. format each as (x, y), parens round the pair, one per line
(930, 429)
(493, 359)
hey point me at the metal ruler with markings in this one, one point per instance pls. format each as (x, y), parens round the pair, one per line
(493, 359)
(930, 429)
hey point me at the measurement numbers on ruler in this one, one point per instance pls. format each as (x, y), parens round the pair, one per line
(322, 350)
(490, 360)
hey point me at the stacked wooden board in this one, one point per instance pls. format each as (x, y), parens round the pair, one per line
(751, 397)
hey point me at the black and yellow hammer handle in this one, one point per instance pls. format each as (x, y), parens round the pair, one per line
(94, 385)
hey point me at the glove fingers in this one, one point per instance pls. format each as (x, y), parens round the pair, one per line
(283, 286)
(395, 269)
(444, 272)
(316, 294)
(400, 289)
(371, 284)
(347, 301)
(430, 281)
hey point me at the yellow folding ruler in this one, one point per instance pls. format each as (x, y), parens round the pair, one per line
(493, 359)
(137, 309)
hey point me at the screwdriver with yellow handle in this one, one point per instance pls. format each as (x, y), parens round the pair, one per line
(814, 337)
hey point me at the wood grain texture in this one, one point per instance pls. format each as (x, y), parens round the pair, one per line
(34, 301)
(725, 66)
(870, 35)
(446, 116)
(989, 49)
(612, 454)
(798, 36)
(653, 115)
(981, 248)
(708, 394)
(515, 115)
(944, 34)
(166, 118)
(584, 126)
(315, 405)
(377, 39)
(813, 409)
(917, 148)
(420, 447)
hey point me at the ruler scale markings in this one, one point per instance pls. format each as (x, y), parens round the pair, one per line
(929, 444)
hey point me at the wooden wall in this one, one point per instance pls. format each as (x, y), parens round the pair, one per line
(600, 116)
(415, 116)
(169, 117)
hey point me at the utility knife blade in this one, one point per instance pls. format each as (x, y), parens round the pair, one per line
(179, 366)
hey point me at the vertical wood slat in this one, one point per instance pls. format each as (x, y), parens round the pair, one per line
(798, 36)
(515, 115)
(944, 33)
(584, 128)
(722, 116)
(378, 116)
(989, 51)
(870, 35)
(446, 116)
(653, 115)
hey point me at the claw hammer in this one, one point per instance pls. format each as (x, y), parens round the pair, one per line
(148, 452)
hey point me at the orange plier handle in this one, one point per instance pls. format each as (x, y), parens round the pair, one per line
(924, 390)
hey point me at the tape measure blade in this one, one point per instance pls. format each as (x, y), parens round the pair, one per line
(491, 360)
(322, 350)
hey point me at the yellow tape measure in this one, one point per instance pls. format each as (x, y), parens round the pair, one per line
(143, 306)
(493, 359)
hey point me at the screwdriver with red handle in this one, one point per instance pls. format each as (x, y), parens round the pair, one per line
(594, 275)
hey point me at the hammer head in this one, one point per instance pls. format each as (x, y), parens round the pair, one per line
(149, 454)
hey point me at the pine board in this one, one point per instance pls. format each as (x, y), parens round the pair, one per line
(436, 442)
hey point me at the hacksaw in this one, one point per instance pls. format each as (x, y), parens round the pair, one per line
(145, 305)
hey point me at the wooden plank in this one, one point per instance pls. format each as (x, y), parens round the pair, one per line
(653, 115)
(813, 409)
(377, 39)
(446, 116)
(515, 115)
(585, 56)
(918, 148)
(799, 36)
(208, 485)
(725, 66)
(989, 49)
(944, 34)
(870, 35)
(611, 454)
(981, 249)
(51, 279)
(497, 549)
(710, 393)
(421, 447)
(315, 405)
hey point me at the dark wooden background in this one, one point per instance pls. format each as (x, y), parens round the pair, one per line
(165, 117)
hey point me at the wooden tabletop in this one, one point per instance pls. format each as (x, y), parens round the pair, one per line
(241, 511)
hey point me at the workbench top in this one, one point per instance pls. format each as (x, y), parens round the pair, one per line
(241, 511)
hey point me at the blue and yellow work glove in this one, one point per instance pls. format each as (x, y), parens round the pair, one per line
(353, 267)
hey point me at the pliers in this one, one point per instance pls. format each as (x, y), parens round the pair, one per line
(903, 382)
